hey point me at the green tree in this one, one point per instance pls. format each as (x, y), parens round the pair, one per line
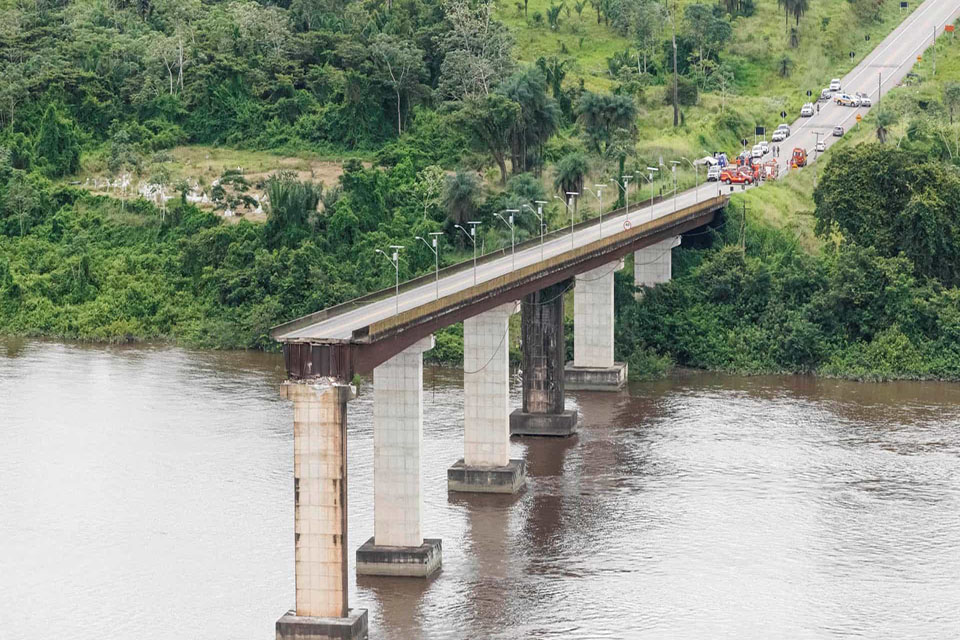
(292, 211)
(799, 8)
(460, 196)
(489, 122)
(601, 115)
(570, 173)
(709, 31)
(885, 118)
(553, 16)
(21, 200)
(537, 120)
(951, 97)
(57, 144)
(401, 66)
(896, 202)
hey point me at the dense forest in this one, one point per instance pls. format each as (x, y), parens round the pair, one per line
(436, 119)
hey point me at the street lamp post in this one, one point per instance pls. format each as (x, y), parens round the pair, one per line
(436, 255)
(650, 178)
(626, 192)
(395, 261)
(599, 196)
(673, 169)
(513, 242)
(472, 236)
(539, 213)
(568, 203)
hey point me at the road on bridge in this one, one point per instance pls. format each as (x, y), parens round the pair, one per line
(893, 58)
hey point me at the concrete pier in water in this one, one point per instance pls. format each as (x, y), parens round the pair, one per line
(593, 366)
(398, 547)
(542, 342)
(486, 465)
(320, 514)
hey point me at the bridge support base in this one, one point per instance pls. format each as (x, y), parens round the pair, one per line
(413, 562)
(506, 479)
(544, 424)
(596, 378)
(294, 627)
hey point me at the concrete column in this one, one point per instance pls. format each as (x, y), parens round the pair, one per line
(486, 464)
(593, 366)
(320, 513)
(653, 265)
(398, 547)
(544, 354)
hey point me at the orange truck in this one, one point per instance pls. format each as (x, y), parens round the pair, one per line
(799, 158)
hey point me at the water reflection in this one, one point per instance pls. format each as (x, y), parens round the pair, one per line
(145, 491)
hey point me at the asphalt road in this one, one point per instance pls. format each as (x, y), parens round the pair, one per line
(889, 62)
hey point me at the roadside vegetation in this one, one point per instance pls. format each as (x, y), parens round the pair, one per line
(855, 276)
(201, 172)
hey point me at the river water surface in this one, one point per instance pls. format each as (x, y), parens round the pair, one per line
(147, 493)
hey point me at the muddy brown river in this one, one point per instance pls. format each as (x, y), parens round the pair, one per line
(146, 493)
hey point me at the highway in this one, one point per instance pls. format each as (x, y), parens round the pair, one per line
(892, 59)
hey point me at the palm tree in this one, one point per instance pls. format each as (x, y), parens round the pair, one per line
(784, 65)
(885, 119)
(553, 16)
(787, 6)
(460, 195)
(799, 8)
(570, 172)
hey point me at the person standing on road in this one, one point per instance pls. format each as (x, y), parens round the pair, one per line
(818, 107)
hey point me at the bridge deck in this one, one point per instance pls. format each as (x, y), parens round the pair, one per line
(340, 323)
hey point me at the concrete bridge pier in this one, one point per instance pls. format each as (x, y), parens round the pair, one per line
(320, 514)
(397, 547)
(593, 366)
(654, 264)
(544, 353)
(486, 466)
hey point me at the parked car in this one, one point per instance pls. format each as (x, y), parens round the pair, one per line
(826, 94)
(835, 84)
(838, 131)
(779, 135)
(865, 100)
(713, 173)
(846, 100)
(821, 145)
(783, 126)
(757, 151)
(806, 111)
(736, 175)
(765, 145)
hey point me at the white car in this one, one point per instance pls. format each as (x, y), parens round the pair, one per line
(865, 100)
(826, 94)
(806, 111)
(757, 151)
(765, 146)
(821, 145)
(779, 135)
(835, 84)
(713, 173)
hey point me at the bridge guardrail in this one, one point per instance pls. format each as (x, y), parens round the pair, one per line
(387, 325)
(278, 331)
